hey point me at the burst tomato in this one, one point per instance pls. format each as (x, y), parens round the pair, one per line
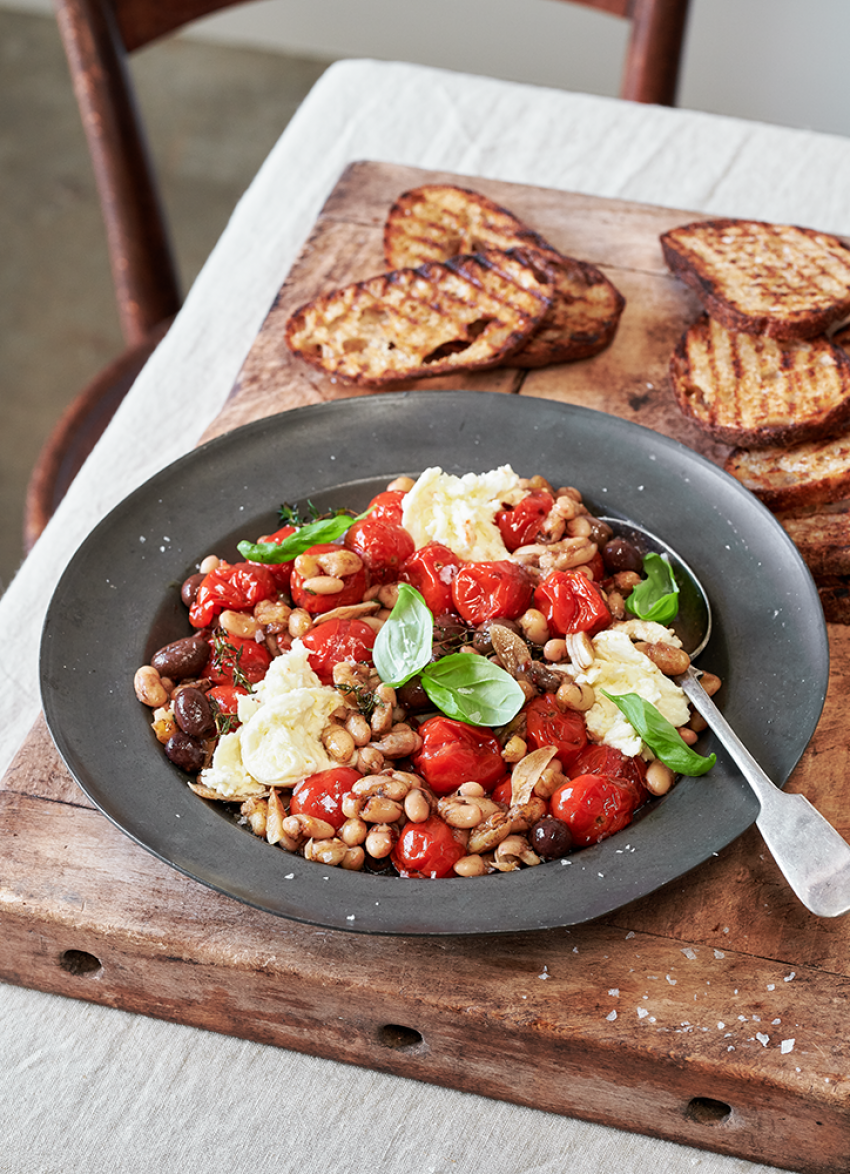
(321, 794)
(503, 791)
(487, 590)
(227, 697)
(429, 849)
(608, 760)
(382, 544)
(234, 660)
(521, 524)
(593, 807)
(571, 603)
(236, 586)
(354, 585)
(453, 753)
(547, 725)
(387, 505)
(334, 641)
(431, 570)
(281, 571)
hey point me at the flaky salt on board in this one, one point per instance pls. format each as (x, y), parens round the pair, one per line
(774, 279)
(438, 221)
(470, 312)
(754, 391)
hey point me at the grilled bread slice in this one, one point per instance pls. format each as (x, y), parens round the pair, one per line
(439, 221)
(468, 313)
(754, 391)
(834, 594)
(822, 538)
(786, 478)
(773, 279)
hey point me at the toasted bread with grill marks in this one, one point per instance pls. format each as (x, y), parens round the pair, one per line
(469, 313)
(439, 221)
(774, 279)
(786, 478)
(822, 538)
(754, 391)
(834, 594)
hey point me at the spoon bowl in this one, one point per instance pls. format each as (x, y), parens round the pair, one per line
(813, 857)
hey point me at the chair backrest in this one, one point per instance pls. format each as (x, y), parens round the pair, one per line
(98, 35)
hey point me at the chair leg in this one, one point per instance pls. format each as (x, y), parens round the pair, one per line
(76, 433)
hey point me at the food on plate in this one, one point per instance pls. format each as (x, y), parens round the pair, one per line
(769, 279)
(459, 681)
(755, 391)
(787, 477)
(438, 221)
(470, 312)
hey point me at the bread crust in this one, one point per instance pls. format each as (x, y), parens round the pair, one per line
(822, 538)
(468, 313)
(787, 478)
(782, 281)
(754, 391)
(439, 221)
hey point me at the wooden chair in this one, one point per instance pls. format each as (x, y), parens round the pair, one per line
(98, 35)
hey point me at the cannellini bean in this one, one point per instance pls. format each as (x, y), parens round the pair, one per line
(659, 778)
(323, 585)
(149, 688)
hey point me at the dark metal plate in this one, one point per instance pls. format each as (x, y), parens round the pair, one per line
(118, 601)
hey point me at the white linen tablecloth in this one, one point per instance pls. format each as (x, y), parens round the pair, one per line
(86, 1087)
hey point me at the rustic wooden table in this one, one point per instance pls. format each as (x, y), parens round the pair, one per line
(711, 1013)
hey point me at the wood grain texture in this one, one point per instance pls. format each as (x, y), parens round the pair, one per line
(712, 1012)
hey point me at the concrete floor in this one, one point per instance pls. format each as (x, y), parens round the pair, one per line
(213, 114)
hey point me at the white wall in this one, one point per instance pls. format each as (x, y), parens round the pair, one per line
(782, 61)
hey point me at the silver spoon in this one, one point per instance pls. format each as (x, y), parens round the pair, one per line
(813, 857)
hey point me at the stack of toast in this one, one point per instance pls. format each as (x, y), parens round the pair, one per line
(468, 286)
(766, 369)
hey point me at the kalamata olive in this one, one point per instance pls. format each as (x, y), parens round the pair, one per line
(544, 678)
(412, 697)
(550, 838)
(450, 634)
(600, 531)
(186, 752)
(193, 713)
(190, 588)
(620, 555)
(481, 641)
(183, 658)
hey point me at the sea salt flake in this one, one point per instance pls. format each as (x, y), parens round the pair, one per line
(771, 986)
(689, 953)
(642, 1012)
(720, 1025)
(719, 954)
(763, 1039)
(786, 1046)
(672, 981)
(611, 1016)
(789, 977)
(614, 992)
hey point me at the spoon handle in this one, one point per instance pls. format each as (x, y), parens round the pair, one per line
(811, 854)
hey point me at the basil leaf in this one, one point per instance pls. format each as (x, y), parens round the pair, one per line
(656, 598)
(660, 736)
(327, 530)
(403, 644)
(472, 689)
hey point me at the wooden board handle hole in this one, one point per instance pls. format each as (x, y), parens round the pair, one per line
(79, 962)
(706, 1111)
(399, 1038)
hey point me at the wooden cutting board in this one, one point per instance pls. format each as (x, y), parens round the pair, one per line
(711, 1013)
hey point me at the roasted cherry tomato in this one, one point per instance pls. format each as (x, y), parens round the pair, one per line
(387, 505)
(486, 590)
(503, 791)
(382, 544)
(608, 760)
(226, 697)
(571, 603)
(453, 753)
(281, 571)
(429, 849)
(235, 659)
(321, 794)
(237, 586)
(593, 807)
(521, 524)
(548, 725)
(431, 570)
(354, 585)
(337, 640)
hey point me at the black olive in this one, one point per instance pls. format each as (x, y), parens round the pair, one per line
(550, 838)
(183, 658)
(190, 588)
(620, 555)
(193, 713)
(186, 752)
(482, 641)
(412, 697)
